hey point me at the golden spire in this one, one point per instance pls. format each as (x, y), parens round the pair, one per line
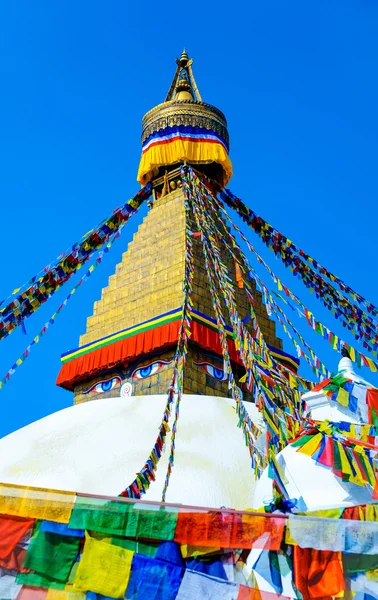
(183, 86)
(183, 116)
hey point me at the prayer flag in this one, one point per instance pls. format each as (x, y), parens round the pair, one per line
(153, 579)
(104, 568)
(52, 555)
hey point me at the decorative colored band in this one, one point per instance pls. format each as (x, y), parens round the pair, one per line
(184, 132)
(282, 356)
(158, 333)
(168, 317)
(196, 150)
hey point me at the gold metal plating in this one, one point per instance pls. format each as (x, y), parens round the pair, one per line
(184, 112)
(188, 111)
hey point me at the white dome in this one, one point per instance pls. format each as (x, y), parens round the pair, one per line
(97, 448)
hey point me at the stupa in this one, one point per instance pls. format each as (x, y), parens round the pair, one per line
(120, 373)
(181, 355)
(314, 485)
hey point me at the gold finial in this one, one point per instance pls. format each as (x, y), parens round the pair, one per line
(184, 58)
(190, 91)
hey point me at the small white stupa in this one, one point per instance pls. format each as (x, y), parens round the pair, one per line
(316, 485)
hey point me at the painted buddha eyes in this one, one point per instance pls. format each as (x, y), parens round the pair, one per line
(104, 386)
(150, 369)
(213, 371)
(141, 373)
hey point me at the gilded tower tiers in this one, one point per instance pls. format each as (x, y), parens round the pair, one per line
(131, 337)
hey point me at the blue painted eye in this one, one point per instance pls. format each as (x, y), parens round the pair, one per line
(213, 371)
(218, 373)
(150, 369)
(104, 386)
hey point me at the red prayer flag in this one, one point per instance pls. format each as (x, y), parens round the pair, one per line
(229, 530)
(318, 573)
(12, 530)
(372, 398)
(326, 457)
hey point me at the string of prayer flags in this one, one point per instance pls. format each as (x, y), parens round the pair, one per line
(245, 344)
(40, 289)
(359, 398)
(317, 326)
(214, 226)
(244, 422)
(337, 343)
(351, 460)
(256, 342)
(147, 474)
(285, 426)
(313, 274)
(184, 335)
(21, 359)
(313, 360)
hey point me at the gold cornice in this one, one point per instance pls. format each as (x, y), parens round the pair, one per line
(184, 112)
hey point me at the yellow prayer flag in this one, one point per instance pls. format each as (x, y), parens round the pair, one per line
(16, 290)
(369, 471)
(371, 364)
(342, 397)
(37, 503)
(288, 539)
(345, 466)
(309, 448)
(104, 568)
(371, 512)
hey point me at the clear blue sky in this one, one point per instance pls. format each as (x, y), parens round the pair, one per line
(297, 82)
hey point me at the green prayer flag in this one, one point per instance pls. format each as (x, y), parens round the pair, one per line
(360, 563)
(301, 441)
(123, 518)
(374, 416)
(339, 380)
(52, 555)
(337, 466)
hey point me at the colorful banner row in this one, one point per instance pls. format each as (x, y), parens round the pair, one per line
(57, 545)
